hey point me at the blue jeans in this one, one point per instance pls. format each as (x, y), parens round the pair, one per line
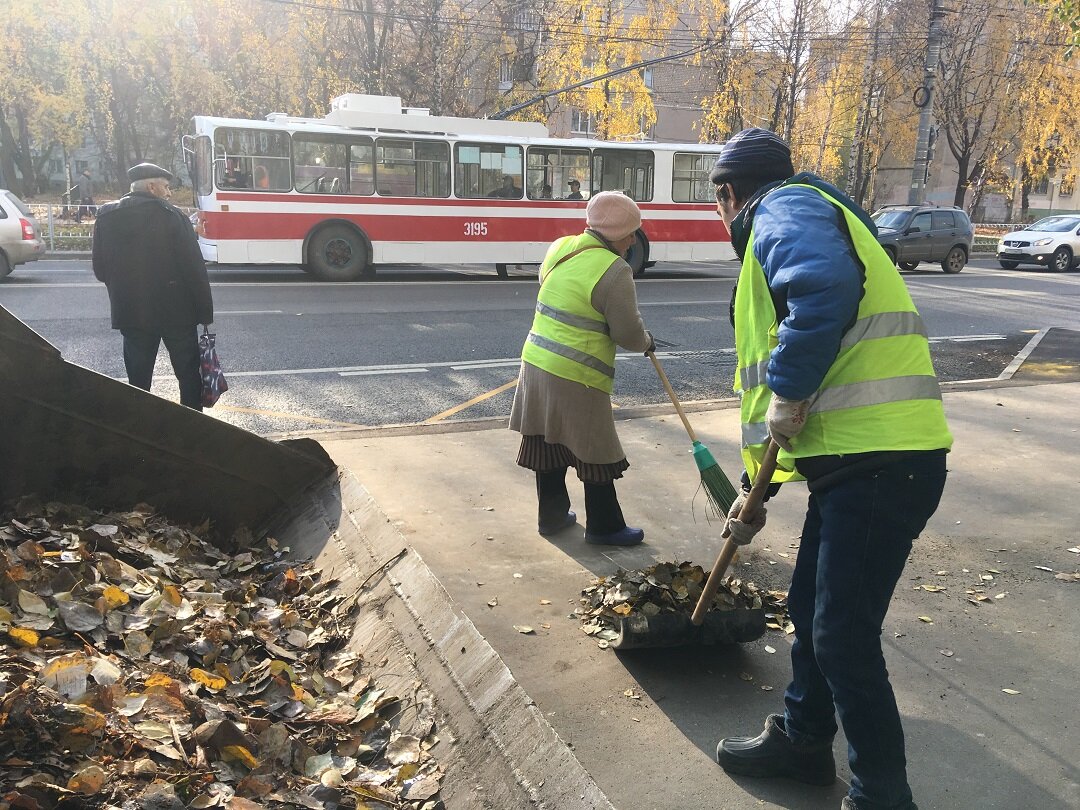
(855, 542)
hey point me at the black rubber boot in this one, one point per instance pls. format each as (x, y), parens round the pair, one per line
(771, 753)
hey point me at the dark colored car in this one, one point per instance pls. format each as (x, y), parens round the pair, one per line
(912, 234)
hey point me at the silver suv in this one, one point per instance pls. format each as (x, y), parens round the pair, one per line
(1052, 241)
(912, 234)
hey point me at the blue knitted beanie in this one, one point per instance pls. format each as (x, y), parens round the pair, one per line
(753, 152)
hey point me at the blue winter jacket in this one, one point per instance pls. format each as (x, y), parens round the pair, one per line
(815, 277)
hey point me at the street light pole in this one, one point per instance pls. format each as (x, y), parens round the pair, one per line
(925, 95)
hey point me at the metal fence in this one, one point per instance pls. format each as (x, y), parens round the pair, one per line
(69, 228)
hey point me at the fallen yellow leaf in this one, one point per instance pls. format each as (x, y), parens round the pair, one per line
(214, 682)
(114, 597)
(926, 619)
(159, 679)
(239, 753)
(24, 636)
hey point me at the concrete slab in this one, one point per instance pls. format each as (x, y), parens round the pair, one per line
(458, 499)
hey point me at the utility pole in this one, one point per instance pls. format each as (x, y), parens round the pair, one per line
(924, 98)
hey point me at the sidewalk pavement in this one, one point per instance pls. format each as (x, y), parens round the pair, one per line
(644, 724)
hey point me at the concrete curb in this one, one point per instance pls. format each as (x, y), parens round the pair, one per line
(497, 749)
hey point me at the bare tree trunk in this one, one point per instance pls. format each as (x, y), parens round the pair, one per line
(7, 155)
(796, 66)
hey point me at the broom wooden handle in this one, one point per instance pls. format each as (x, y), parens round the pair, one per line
(749, 509)
(671, 395)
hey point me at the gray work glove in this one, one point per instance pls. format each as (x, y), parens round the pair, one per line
(742, 532)
(786, 418)
(652, 343)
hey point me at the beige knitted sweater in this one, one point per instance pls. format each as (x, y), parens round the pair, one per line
(572, 414)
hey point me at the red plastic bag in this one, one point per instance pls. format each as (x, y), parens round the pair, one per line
(213, 379)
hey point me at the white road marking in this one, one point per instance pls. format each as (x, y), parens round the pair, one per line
(513, 362)
(384, 371)
(249, 312)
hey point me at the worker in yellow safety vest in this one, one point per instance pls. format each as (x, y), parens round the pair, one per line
(562, 407)
(834, 366)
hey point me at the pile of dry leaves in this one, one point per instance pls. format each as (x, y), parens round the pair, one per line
(141, 667)
(670, 588)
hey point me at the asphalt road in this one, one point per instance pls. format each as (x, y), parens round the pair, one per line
(425, 344)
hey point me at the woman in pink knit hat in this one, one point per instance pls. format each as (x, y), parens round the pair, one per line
(562, 407)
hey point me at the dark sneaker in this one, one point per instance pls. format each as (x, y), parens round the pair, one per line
(771, 753)
(626, 536)
(569, 519)
(849, 804)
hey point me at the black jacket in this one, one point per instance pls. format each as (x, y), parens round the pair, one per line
(147, 254)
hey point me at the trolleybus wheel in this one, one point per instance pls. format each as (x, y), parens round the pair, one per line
(638, 255)
(338, 252)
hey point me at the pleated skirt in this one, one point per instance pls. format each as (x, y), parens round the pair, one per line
(537, 455)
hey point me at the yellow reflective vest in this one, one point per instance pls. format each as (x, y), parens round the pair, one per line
(569, 338)
(881, 392)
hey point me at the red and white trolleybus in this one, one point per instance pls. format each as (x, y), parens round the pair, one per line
(375, 183)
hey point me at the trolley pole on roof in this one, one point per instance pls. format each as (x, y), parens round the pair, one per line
(924, 98)
(501, 114)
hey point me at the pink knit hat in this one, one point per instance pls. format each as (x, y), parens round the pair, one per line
(613, 215)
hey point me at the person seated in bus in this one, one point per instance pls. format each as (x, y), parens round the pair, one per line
(508, 191)
(262, 177)
(232, 177)
(575, 191)
(545, 191)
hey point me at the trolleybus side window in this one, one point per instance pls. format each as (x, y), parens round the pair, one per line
(256, 159)
(487, 170)
(319, 163)
(627, 170)
(556, 167)
(407, 168)
(362, 167)
(690, 178)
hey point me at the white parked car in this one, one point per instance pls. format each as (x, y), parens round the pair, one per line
(1052, 241)
(20, 235)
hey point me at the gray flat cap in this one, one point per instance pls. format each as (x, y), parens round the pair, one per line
(148, 171)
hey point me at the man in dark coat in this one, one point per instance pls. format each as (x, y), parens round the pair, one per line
(147, 254)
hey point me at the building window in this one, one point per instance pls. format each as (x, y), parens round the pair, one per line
(81, 166)
(506, 69)
(1043, 186)
(528, 20)
(647, 76)
(1067, 184)
(582, 123)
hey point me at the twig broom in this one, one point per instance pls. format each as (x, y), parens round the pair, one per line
(718, 488)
